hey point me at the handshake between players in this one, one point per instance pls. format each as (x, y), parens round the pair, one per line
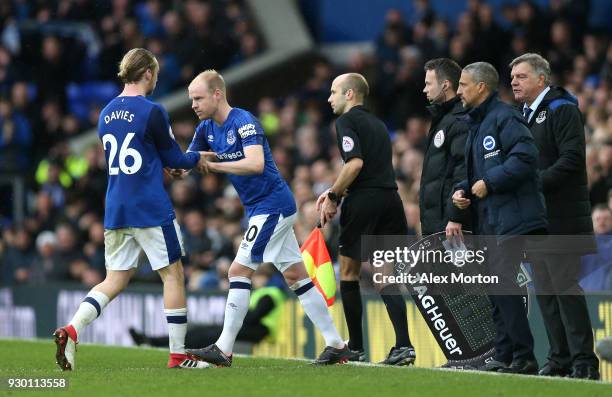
(203, 166)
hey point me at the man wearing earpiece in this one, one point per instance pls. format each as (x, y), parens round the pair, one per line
(444, 165)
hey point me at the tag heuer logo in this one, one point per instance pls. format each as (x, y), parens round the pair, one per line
(541, 117)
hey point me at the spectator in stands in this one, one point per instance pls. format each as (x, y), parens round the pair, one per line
(44, 266)
(198, 243)
(94, 248)
(18, 258)
(55, 66)
(45, 215)
(15, 138)
(596, 274)
(66, 254)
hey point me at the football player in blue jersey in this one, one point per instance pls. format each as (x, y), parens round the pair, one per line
(236, 139)
(138, 143)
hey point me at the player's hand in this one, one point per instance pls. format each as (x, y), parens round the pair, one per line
(210, 156)
(480, 189)
(453, 229)
(460, 201)
(329, 209)
(203, 164)
(177, 173)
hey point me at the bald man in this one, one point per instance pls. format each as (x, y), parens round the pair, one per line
(371, 206)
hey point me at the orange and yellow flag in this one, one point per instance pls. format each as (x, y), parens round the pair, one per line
(319, 266)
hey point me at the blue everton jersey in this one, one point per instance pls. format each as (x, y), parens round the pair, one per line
(265, 193)
(138, 142)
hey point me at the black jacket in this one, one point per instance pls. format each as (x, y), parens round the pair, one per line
(558, 129)
(501, 151)
(443, 167)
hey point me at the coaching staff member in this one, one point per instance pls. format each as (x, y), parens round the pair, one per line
(444, 165)
(502, 186)
(557, 127)
(371, 206)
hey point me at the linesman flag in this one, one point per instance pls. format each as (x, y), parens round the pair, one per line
(319, 266)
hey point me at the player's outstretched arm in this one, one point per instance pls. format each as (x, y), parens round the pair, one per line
(169, 151)
(251, 164)
(174, 157)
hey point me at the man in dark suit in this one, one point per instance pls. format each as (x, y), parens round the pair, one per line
(557, 126)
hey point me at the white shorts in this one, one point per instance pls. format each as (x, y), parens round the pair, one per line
(163, 246)
(269, 239)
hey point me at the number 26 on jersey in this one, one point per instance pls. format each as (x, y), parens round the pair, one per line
(124, 153)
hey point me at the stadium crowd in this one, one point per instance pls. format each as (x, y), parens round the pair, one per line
(62, 237)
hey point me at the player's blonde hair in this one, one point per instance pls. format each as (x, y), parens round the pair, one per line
(135, 63)
(213, 80)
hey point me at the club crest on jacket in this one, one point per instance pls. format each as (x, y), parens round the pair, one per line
(439, 139)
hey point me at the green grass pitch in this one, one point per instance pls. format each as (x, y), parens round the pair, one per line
(116, 371)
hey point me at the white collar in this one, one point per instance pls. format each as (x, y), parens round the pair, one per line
(536, 103)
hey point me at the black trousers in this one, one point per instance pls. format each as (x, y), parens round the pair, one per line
(564, 310)
(513, 340)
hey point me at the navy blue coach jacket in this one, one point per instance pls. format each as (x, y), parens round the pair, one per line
(501, 151)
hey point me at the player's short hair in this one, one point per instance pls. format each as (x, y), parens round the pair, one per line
(540, 66)
(135, 63)
(483, 72)
(446, 69)
(355, 82)
(213, 80)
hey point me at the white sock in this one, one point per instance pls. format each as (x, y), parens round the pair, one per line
(89, 310)
(235, 310)
(316, 309)
(177, 328)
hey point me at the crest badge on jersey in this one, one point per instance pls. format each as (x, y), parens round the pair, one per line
(231, 137)
(541, 117)
(347, 143)
(488, 142)
(439, 139)
(211, 138)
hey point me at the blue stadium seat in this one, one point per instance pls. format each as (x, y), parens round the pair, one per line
(82, 97)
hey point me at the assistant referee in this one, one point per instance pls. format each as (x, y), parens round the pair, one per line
(371, 206)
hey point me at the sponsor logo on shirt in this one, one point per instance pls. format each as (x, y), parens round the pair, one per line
(347, 143)
(247, 130)
(488, 142)
(230, 156)
(211, 138)
(439, 139)
(231, 137)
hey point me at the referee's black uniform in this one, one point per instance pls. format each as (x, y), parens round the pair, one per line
(372, 206)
